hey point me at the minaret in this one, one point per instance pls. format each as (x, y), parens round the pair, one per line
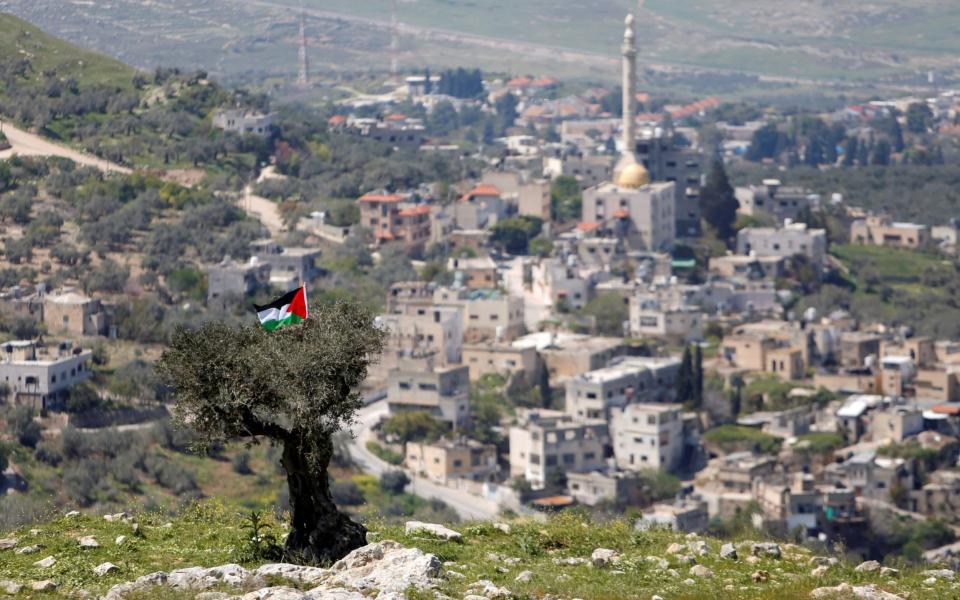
(303, 78)
(629, 51)
(628, 151)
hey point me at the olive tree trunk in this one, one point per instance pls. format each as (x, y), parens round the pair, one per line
(320, 533)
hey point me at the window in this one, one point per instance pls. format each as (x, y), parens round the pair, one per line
(569, 459)
(428, 387)
(404, 385)
(457, 463)
(651, 419)
(534, 459)
(589, 456)
(551, 460)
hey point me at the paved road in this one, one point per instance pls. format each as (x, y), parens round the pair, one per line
(266, 210)
(25, 143)
(467, 505)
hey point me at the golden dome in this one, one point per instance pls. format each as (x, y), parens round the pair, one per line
(633, 176)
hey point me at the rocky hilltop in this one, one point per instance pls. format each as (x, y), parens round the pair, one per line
(206, 555)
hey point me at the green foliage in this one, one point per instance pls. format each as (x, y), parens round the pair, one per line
(609, 312)
(819, 443)
(261, 541)
(513, 235)
(393, 482)
(414, 426)
(384, 454)
(718, 203)
(22, 426)
(565, 199)
(735, 437)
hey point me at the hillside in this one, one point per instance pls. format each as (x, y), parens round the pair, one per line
(20, 39)
(522, 559)
(696, 44)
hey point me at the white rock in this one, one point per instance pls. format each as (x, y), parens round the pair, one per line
(659, 563)
(570, 561)
(524, 577)
(11, 588)
(120, 540)
(88, 541)
(676, 548)
(701, 571)
(504, 527)
(688, 581)
(439, 531)
(7, 543)
(212, 596)
(45, 563)
(43, 586)
(656, 597)
(845, 590)
(199, 578)
(104, 568)
(930, 581)
(728, 551)
(512, 561)
(72, 514)
(276, 593)
(297, 573)
(819, 571)
(503, 570)
(488, 589)
(940, 573)
(385, 566)
(602, 557)
(889, 572)
(767, 549)
(867, 566)
(32, 549)
(454, 574)
(673, 573)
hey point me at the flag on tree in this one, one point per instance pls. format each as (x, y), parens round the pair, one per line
(289, 309)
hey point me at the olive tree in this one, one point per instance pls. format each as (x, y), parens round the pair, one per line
(295, 387)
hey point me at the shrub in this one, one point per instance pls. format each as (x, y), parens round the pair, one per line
(241, 463)
(346, 493)
(21, 425)
(48, 453)
(81, 480)
(393, 482)
(384, 454)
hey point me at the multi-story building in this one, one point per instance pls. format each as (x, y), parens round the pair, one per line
(447, 459)
(588, 170)
(599, 393)
(856, 346)
(41, 376)
(501, 359)
(688, 515)
(530, 197)
(237, 279)
(648, 436)
(475, 273)
(288, 265)
(566, 355)
(775, 201)
(592, 487)
(244, 121)
(480, 208)
(545, 441)
(881, 230)
(444, 392)
(488, 314)
(649, 317)
(640, 213)
(74, 313)
(681, 165)
(789, 240)
(393, 217)
(415, 331)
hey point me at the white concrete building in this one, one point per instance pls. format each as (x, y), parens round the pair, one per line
(648, 436)
(789, 240)
(548, 440)
(598, 393)
(641, 213)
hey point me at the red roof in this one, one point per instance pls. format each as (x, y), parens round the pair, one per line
(543, 82)
(587, 226)
(381, 198)
(337, 120)
(482, 189)
(395, 117)
(521, 81)
(383, 235)
(420, 209)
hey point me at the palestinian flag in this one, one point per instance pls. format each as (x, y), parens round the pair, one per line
(289, 309)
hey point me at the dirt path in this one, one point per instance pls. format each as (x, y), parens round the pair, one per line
(25, 143)
(266, 210)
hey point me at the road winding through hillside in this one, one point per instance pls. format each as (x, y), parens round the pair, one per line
(24, 143)
(466, 505)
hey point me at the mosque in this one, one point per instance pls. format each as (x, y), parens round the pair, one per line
(631, 206)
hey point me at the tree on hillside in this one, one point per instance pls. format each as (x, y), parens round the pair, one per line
(296, 387)
(565, 199)
(697, 377)
(919, 117)
(718, 203)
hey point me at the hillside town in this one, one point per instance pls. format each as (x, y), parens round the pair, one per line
(580, 307)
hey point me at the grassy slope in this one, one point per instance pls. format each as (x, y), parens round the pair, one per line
(18, 37)
(209, 535)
